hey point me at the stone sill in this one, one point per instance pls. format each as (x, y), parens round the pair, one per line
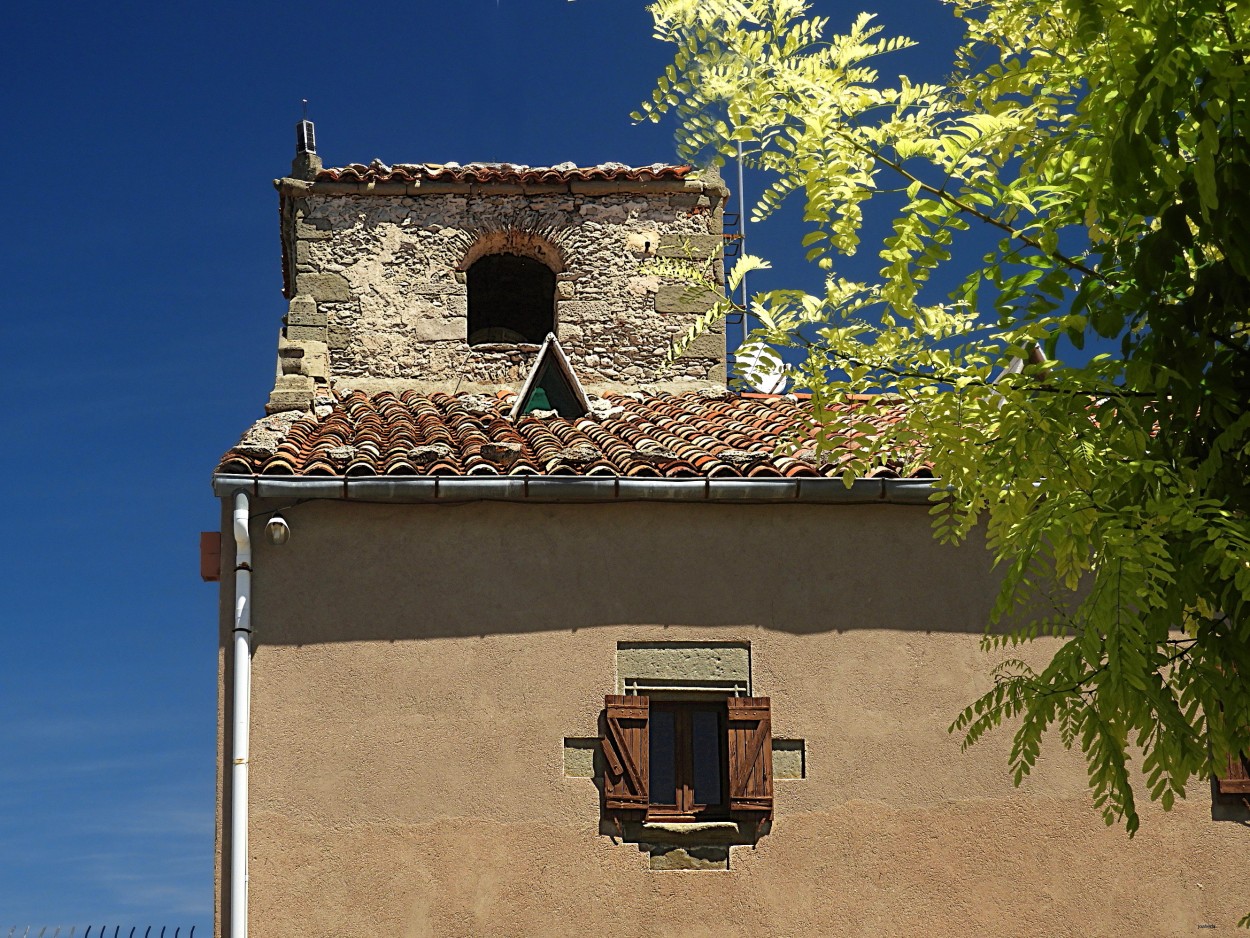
(504, 347)
(693, 834)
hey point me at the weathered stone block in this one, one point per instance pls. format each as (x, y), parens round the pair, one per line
(305, 314)
(644, 243)
(579, 757)
(337, 337)
(689, 858)
(432, 187)
(587, 311)
(682, 298)
(641, 286)
(695, 247)
(564, 290)
(326, 288)
(683, 662)
(708, 345)
(304, 254)
(436, 287)
(288, 400)
(439, 329)
(545, 188)
(309, 233)
(594, 186)
(303, 333)
(789, 758)
(293, 383)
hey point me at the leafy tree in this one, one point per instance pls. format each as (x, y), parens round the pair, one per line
(1105, 145)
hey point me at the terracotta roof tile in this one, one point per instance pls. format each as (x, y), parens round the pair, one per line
(703, 434)
(377, 171)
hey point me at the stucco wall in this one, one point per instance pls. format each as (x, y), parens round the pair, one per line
(418, 668)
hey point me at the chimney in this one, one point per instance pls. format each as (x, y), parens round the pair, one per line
(307, 163)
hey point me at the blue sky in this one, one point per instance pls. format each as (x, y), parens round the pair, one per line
(138, 322)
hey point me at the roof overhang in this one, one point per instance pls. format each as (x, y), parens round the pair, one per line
(536, 488)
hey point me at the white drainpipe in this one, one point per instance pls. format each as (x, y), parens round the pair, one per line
(242, 717)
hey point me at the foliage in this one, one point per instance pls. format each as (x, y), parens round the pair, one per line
(1105, 146)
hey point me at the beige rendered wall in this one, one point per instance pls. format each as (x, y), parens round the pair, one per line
(418, 667)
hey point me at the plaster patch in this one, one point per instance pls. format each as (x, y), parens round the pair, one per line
(579, 757)
(789, 758)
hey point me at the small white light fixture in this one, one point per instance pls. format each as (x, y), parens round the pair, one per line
(278, 531)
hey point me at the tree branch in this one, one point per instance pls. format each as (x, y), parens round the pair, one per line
(975, 212)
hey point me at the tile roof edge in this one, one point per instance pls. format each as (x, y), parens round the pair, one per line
(424, 489)
(396, 185)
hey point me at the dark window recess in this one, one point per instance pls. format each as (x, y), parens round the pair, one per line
(688, 760)
(512, 300)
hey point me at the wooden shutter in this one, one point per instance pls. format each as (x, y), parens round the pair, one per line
(626, 753)
(750, 756)
(1236, 780)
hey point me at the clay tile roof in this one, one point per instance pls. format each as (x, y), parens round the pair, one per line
(377, 171)
(699, 434)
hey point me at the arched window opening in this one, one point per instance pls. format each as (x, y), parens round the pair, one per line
(512, 299)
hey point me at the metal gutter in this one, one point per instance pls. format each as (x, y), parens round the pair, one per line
(433, 489)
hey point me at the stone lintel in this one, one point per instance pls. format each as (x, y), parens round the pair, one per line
(693, 662)
(545, 188)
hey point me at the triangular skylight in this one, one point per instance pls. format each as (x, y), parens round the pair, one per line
(551, 385)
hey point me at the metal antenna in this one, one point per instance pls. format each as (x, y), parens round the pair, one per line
(742, 249)
(742, 233)
(305, 102)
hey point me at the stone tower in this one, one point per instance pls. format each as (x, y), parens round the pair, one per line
(448, 277)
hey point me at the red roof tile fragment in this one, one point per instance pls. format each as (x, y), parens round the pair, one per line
(700, 434)
(377, 171)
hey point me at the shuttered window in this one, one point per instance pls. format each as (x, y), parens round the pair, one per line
(1235, 780)
(750, 739)
(688, 760)
(625, 753)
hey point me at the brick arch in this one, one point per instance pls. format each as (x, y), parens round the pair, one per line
(511, 281)
(516, 241)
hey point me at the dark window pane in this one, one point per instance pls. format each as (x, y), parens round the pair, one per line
(707, 763)
(663, 757)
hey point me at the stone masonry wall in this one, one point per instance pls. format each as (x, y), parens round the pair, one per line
(380, 299)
